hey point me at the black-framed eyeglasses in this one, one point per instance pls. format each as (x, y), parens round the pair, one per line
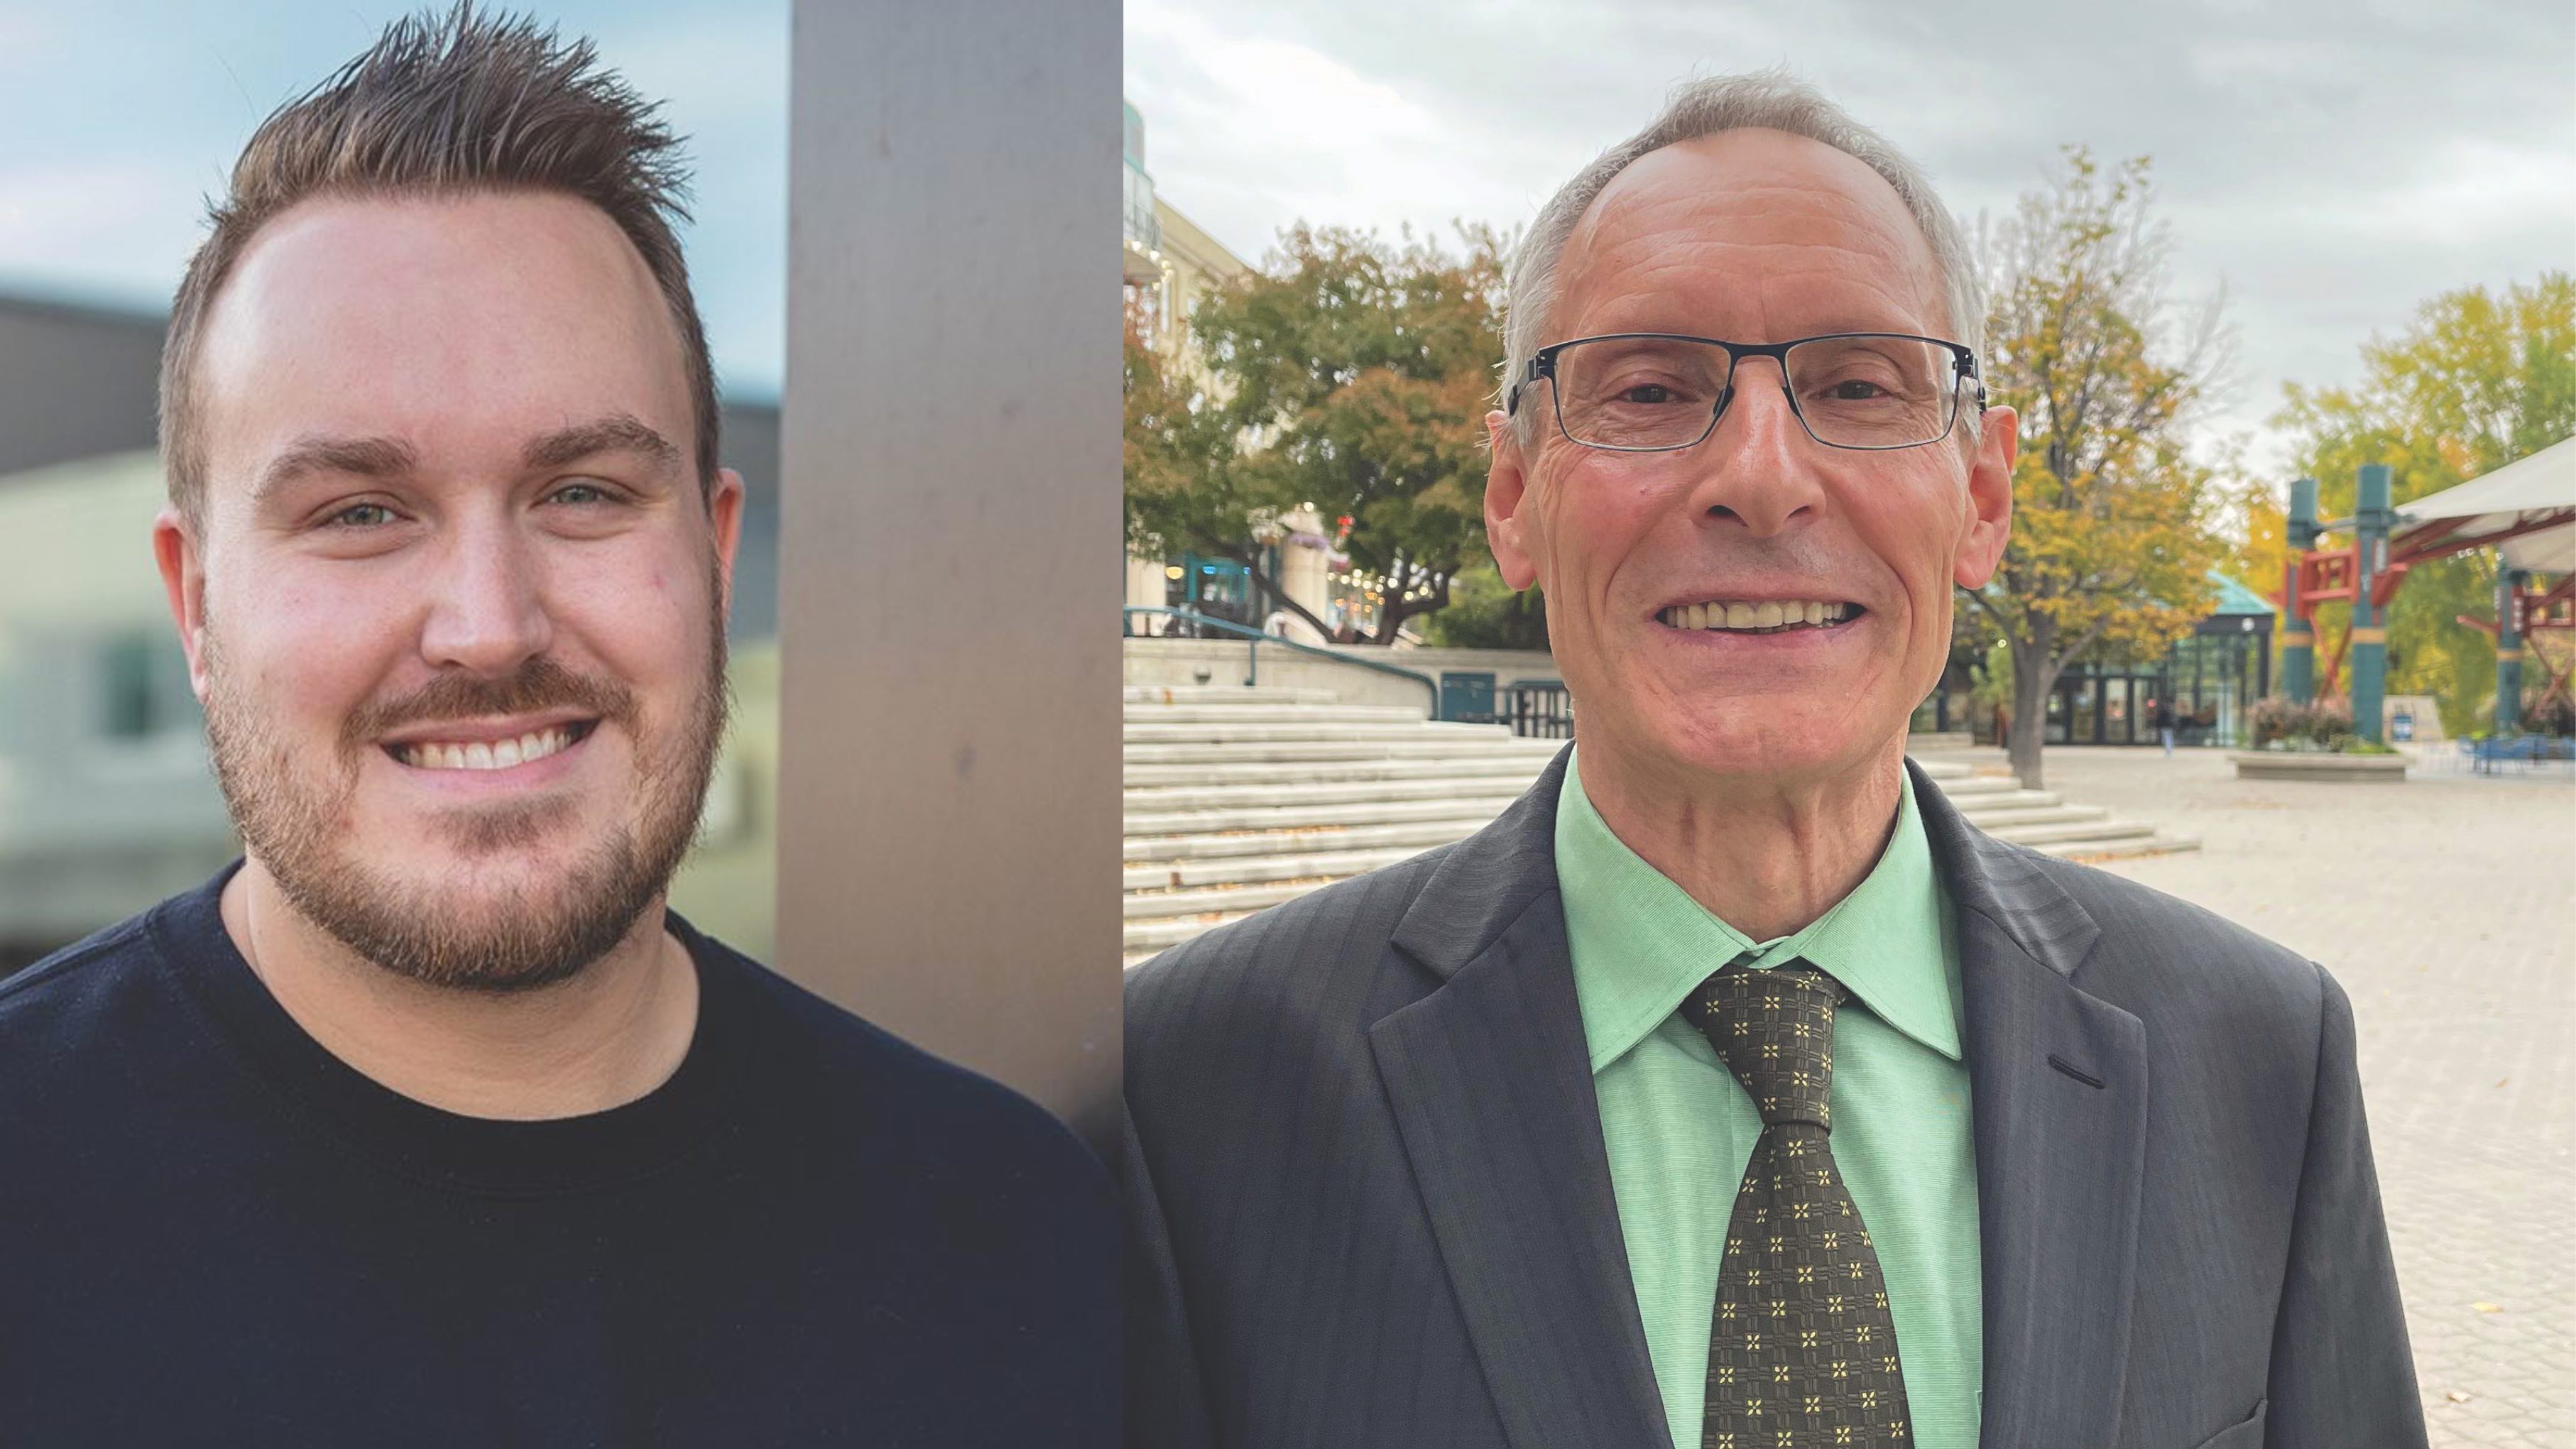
(1656, 392)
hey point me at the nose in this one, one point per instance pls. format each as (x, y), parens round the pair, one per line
(487, 612)
(1758, 468)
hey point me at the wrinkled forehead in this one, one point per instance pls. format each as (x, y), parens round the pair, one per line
(1754, 235)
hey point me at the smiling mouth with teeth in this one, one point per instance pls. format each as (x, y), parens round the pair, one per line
(1775, 616)
(490, 754)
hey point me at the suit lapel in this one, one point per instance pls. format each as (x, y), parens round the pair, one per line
(1491, 1088)
(2061, 1145)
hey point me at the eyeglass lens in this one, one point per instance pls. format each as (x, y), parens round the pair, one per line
(1869, 391)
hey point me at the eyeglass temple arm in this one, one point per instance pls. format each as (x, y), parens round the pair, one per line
(1541, 364)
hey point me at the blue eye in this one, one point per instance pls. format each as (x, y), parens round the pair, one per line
(579, 493)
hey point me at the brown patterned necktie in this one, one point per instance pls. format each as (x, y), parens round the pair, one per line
(1801, 1351)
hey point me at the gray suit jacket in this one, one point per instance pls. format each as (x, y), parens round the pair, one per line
(1369, 1205)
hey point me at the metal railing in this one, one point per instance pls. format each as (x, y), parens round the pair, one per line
(1539, 710)
(1201, 626)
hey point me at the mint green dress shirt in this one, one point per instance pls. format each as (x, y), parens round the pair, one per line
(1679, 1129)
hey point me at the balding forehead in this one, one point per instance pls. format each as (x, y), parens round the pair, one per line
(1754, 187)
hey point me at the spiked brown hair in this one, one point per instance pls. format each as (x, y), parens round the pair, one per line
(446, 105)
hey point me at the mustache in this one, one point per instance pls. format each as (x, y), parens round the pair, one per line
(539, 684)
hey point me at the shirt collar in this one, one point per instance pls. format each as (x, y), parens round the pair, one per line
(1640, 944)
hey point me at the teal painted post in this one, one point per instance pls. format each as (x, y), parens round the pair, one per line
(2298, 641)
(2508, 706)
(2369, 650)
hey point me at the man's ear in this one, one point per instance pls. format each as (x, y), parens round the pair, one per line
(1506, 488)
(183, 579)
(1990, 498)
(724, 514)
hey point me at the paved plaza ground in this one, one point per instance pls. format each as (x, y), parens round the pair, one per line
(2446, 906)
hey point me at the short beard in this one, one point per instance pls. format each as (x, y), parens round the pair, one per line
(291, 817)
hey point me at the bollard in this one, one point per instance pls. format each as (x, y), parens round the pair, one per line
(2298, 639)
(2369, 648)
(2508, 704)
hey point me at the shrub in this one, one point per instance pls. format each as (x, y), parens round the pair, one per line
(2323, 724)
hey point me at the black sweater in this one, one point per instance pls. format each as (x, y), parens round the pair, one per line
(213, 1232)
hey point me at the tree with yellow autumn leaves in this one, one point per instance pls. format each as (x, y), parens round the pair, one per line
(2113, 531)
(2477, 380)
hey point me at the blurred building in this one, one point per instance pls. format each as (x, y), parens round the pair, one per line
(107, 802)
(1167, 262)
(2206, 682)
(1168, 265)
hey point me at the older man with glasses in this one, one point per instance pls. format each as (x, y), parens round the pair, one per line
(1731, 1090)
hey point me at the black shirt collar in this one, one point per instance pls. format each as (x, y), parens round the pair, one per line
(446, 1149)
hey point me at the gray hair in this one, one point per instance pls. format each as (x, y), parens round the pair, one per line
(1772, 100)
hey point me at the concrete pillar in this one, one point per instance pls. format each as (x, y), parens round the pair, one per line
(2508, 704)
(948, 803)
(1303, 559)
(1149, 583)
(2368, 654)
(2298, 641)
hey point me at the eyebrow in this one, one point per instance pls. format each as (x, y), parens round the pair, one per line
(385, 457)
(615, 433)
(315, 453)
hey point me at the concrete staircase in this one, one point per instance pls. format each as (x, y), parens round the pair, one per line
(1238, 799)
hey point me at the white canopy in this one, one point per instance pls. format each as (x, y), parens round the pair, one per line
(2524, 489)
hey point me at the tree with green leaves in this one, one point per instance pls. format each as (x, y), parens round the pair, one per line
(1182, 488)
(2111, 535)
(1486, 613)
(2476, 381)
(1350, 373)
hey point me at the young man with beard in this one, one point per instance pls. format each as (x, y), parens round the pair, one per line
(427, 1123)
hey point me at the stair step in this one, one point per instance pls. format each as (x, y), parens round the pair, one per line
(2097, 828)
(1224, 694)
(1343, 792)
(1995, 820)
(1158, 777)
(1479, 808)
(1301, 751)
(1251, 714)
(2090, 850)
(1963, 783)
(1435, 732)
(1190, 871)
(1978, 805)
(1411, 836)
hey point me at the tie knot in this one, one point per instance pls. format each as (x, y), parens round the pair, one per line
(1775, 1031)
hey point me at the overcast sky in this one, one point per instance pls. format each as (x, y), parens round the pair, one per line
(2334, 162)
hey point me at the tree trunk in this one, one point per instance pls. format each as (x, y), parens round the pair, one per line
(1398, 609)
(2034, 675)
(1268, 586)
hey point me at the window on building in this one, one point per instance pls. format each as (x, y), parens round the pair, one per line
(143, 686)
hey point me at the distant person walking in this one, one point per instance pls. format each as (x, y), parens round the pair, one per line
(2165, 725)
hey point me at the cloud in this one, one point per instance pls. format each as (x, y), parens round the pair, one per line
(2333, 163)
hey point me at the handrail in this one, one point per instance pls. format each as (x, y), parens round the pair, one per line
(1256, 638)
